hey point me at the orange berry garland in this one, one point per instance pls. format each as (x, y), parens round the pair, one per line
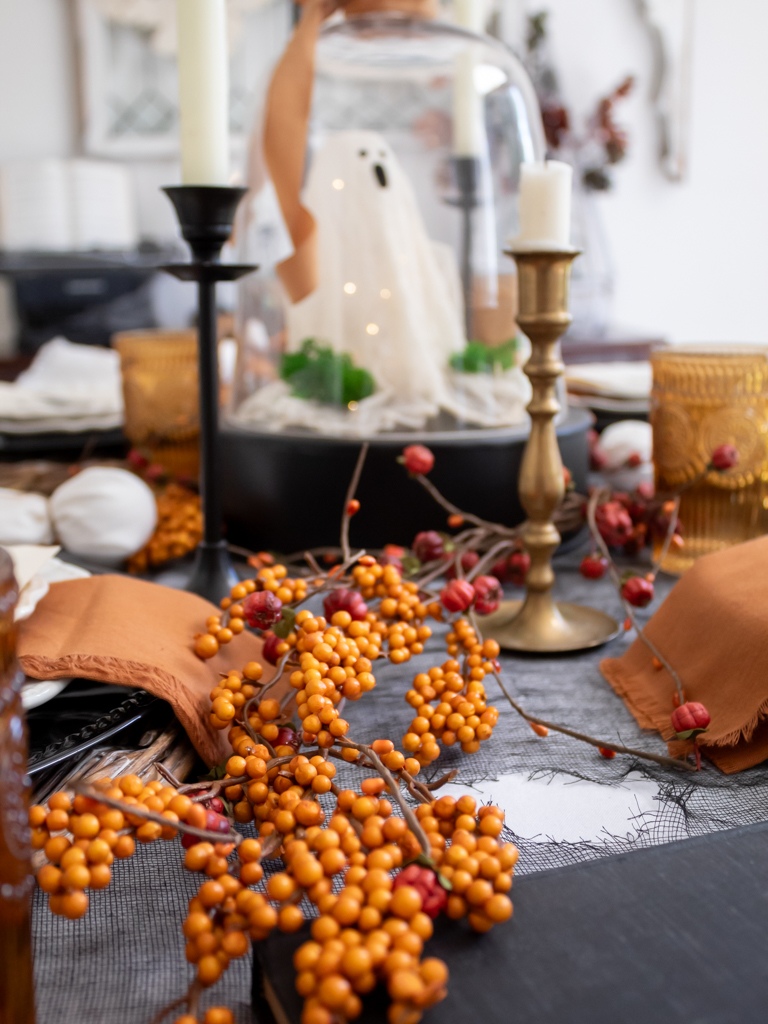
(371, 930)
(449, 700)
(373, 927)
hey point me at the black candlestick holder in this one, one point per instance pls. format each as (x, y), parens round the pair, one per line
(466, 171)
(206, 214)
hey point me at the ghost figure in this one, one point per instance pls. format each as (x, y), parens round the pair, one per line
(385, 292)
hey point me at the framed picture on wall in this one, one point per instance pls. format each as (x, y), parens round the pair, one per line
(127, 71)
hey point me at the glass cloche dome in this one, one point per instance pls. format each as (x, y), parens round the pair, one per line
(405, 319)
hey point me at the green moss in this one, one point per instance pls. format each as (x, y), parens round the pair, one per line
(324, 375)
(480, 358)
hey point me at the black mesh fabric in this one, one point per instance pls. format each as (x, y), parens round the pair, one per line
(125, 959)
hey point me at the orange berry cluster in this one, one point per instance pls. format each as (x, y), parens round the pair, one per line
(398, 599)
(179, 528)
(232, 694)
(338, 965)
(281, 798)
(478, 867)
(405, 640)
(367, 932)
(363, 638)
(81, 837)
(273, 578)
(331, 666)
(217, 924)
(460, 714)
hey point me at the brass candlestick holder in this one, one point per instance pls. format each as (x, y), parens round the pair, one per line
(538, 624)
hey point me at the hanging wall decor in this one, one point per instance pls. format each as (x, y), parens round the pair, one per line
(128, 78)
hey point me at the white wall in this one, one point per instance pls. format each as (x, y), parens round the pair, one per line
(37, 83)
(691, 259)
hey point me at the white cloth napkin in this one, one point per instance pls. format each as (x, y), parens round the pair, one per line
(68, 387)
(24, 518)
(620, 380)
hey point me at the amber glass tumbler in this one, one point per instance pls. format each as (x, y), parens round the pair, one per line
(700, 400)
(159, 371)
(16, 996)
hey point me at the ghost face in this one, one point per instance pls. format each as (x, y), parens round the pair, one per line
(378, 164)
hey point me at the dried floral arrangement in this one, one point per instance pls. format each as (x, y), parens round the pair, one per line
(603, 142)
(405, 854)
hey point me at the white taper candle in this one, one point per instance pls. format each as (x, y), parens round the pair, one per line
(203, 91)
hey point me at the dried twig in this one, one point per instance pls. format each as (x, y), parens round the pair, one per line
(169, 777)
(345, 551)
(668, 762)
(454, 510)
(191, 1000)
(311, 561)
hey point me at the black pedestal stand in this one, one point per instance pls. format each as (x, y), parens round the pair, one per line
(206, 214)
(467, 172)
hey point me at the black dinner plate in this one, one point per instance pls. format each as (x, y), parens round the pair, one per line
(85, 715)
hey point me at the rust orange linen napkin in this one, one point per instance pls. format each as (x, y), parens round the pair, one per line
(126, 631)
(713, 630)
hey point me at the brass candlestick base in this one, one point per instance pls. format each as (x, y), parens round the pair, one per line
(538, 624)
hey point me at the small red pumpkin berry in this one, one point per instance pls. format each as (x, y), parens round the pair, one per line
(455, 521)
(457, 596)
(417, 459)
(353, 506)
(487, 594)
(287, 737)
(725, 456)
(344, 600)
(262, 608)
(607, 753)
(690, 718)
(593, 567)
(614, 523)
(425, 881)
(637, 591)
(540, 730)
(269, 650)
(428, 546)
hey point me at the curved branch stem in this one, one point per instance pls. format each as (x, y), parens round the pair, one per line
(454, 510)
(345, 551)
(191, 1000)
(668, 762)
(413, 822)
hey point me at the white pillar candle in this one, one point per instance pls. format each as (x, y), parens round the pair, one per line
(467, 102)
(545, 205)
(203, 91)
